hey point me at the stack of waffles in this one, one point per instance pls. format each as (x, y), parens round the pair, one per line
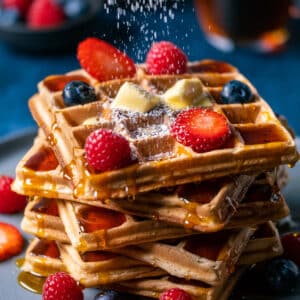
(174, 218)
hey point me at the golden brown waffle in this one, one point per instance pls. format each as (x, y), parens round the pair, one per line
(210, 203)
(259, 141)
(206, 258)
(43, 257)
(89, 228)
(154, 287)
(263, 245)
(101, 268)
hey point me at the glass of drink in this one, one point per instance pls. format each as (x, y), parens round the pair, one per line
(256, 23)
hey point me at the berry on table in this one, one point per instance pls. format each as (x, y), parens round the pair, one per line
(75, 8)
(175, 294)
(10, 202)
(166, 58)
(236, 91)
(280, 276)
(61, 286)
(78, 92)
(106, 150)
(291, 246)
(45, 13)
(103, 61)
(21, 6)
(11, 241)
(201, 129)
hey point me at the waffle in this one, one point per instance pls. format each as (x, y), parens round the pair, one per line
(153, 287)
(88, 228)
(259, 141)
(43, 258)
(209, 258)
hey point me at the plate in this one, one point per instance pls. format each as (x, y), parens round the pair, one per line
(12, 151)
(52, 40)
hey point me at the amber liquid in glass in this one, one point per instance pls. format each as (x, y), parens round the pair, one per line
(242, 21)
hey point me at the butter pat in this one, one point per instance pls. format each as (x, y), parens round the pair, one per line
(132, 97)
(185, 93)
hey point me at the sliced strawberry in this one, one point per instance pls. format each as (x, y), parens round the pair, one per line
(201, 129)
(103, 61)
(11, 241)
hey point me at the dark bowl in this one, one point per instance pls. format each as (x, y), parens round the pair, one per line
(54, 39)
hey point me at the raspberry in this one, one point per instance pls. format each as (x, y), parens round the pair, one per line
(10, 202)
(61, 286)
(166, 58)
(103, 61)
(44, 13)
(21, 6)
(175, 294)
(11, 241)
(106, 150)
(201, 129)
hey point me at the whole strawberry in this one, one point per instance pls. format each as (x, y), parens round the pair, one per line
(10, 202)
(45, 13)
(21, 6)
(61, 286)
(175, 294)
(166, 58)
(106, 150)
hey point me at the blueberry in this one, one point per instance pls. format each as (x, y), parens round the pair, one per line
(75, 8)
(9, 17)
(78, 92)
(280, 276)
(236, 92)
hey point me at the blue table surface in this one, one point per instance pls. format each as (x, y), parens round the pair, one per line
(275, 76)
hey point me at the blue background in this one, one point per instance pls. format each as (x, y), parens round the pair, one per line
(275, 76)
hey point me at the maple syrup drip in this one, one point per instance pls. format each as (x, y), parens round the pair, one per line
(43, 160)
(258, 193)
(262, 135)
(40, 220)
(46, 206)
(20, 262)
(51, 139)
(95, 256)
(46, 248)
(208, 246)
(97, 218)
(211, 67)
(30, 282)
(57, 83)
(199, 192)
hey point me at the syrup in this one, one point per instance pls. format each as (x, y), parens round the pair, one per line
(46, 206)
(211, 66)
(20, 262)
(43, 160)
(57, 83)
(30, 282)
(262, 135)
(202, 193)
(208, 246)
(95, 256)
(46, 248)
(97, 218)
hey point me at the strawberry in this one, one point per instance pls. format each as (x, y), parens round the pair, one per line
(166, 58)
(201, 129)
(11, 241)
(103, 61)
(175, 294)
(21, 6)
(10, 202)
(44, 13)
(61, 286)
(106, 150)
